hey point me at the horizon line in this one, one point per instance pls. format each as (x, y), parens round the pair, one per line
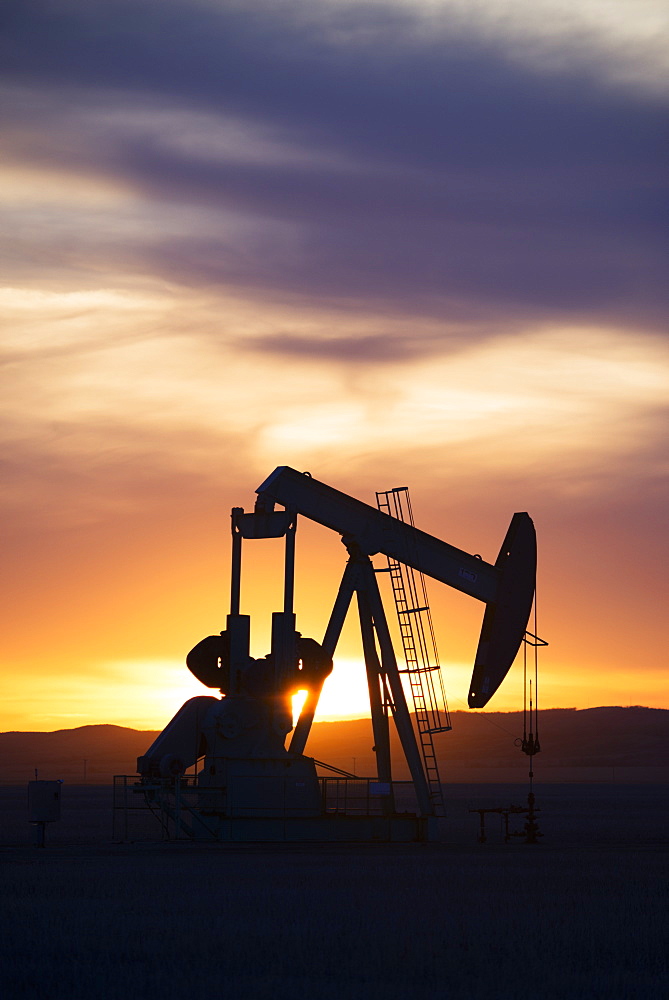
(353, 718)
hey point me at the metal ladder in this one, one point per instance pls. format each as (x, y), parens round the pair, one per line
(419, 646)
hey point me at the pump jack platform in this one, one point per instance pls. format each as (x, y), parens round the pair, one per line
(250, 786)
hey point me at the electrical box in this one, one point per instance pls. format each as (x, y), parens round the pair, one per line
(44, 801)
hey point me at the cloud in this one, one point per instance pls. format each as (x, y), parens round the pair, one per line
(210, 41)
(337, 153)
(374, 349)
(562, 405)
(120, 401)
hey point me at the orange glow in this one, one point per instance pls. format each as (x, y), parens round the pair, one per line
(103, 617)
(118, 558)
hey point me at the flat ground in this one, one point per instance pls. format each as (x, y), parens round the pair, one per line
(582, 914)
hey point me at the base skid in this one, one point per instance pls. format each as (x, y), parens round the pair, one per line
(318, 829)
(347, 810)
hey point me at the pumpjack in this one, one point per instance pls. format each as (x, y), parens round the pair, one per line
(250, 785)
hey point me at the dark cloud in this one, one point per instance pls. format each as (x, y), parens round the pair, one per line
(430, 101)
(374, 348)
(434, 170)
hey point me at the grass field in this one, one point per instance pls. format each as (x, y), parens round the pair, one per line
(583, 914)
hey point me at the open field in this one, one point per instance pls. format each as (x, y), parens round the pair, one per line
(583, 914)
(583, 814)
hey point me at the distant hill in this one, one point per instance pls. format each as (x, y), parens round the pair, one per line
(108, 750)
(623, 744)
(481, 745)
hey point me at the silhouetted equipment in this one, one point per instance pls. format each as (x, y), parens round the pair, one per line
(250, 786)
(529, 745)
(506, 617)
(419, 646)
(530, 829)
(43, 807)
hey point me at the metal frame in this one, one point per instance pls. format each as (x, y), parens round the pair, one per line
(383, 676)
(347, 804)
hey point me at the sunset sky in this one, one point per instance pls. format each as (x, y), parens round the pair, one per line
(392, 243)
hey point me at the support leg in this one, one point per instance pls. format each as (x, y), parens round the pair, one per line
(330, 640)
(400, 710)
(374, 680)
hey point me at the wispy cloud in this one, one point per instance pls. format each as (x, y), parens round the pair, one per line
(427, 171)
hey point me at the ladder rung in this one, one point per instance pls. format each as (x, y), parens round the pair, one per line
(396, 503)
